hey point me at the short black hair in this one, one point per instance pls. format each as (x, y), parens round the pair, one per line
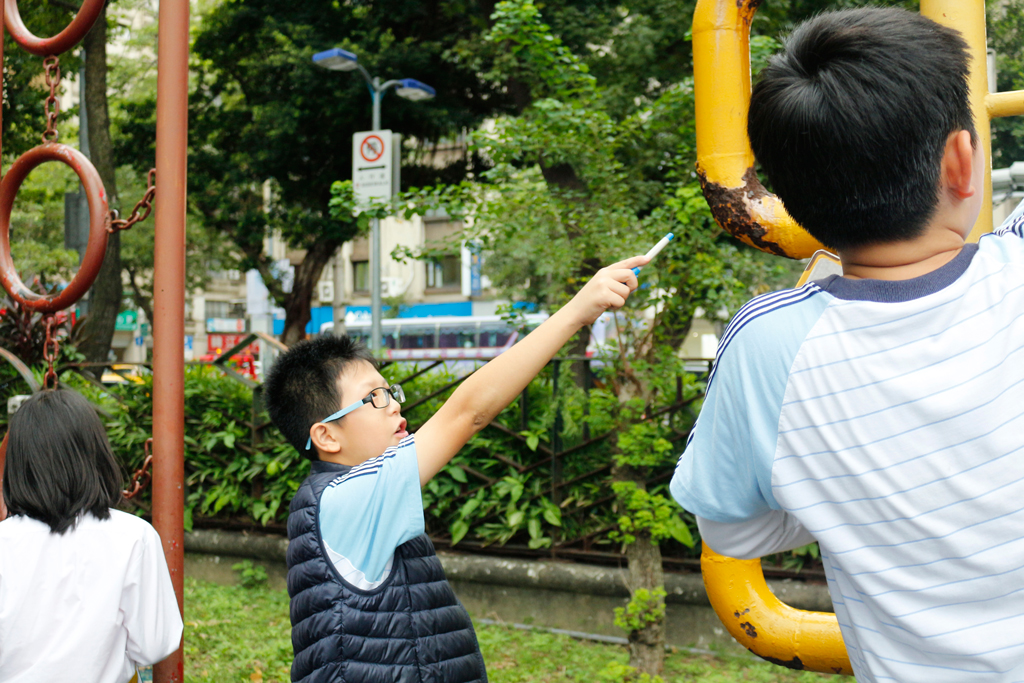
(301, 389)
(850, 122)
(59, 464)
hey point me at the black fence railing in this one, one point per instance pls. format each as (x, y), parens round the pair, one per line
(535, 482)
(574, 466)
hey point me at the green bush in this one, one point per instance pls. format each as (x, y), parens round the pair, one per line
(250, 575)
(497, 490)
(228, 473)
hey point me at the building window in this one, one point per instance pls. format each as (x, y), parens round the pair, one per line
(360, 276)
(444, 272)
(224, 309)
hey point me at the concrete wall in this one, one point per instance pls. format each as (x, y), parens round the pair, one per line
(545, 593)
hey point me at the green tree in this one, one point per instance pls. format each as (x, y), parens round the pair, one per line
(262, 111)
(132, 97)
(578, 182)
(37, 218)
(597, 165)
(24, 88)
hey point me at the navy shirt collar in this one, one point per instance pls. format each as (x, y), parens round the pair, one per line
(893, 291)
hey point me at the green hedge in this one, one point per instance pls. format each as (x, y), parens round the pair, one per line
(482, 495)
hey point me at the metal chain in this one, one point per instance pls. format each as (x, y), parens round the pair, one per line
(140, 212)
(52, 107)
(142, 477)
(51, 350)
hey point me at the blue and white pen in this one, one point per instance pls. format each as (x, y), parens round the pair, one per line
(655, 250)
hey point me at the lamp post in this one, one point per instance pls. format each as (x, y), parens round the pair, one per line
(337, 59)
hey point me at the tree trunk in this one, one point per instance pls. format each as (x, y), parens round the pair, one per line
(646, 645)
(142, 299)
(298, 303)
(107, 292)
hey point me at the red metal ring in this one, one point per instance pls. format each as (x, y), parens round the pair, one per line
(63, 41)
(98, 214)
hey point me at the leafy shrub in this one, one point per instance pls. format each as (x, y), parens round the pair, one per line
(497, 490)
(227, 472)
(250, 575)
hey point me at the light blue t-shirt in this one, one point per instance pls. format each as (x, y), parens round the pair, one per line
(366, 513)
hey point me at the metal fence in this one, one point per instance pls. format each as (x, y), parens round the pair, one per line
(565, 462)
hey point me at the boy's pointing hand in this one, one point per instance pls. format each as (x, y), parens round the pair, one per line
(609, 288)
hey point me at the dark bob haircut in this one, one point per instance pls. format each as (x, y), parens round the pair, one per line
(302, 387)
(59, 463)
(850, 122)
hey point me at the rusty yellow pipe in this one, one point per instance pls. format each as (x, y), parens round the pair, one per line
(741, 205)
(771, 629)
(721, 67)
(1001, 104)
(766, 626)
(725, 162)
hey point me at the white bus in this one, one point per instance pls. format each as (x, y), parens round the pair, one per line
(451, 337)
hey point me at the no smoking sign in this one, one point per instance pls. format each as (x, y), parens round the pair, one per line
(371, 164)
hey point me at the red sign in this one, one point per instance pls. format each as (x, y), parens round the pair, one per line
(372, 148)
(219, 343)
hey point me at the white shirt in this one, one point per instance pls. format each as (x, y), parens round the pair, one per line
(887, 420)
(89, 605)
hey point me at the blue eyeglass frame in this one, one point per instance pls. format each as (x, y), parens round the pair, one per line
(392, 392)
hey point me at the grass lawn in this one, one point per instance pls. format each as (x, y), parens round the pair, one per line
(242, 634)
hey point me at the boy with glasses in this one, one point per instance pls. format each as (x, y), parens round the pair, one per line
(369, 600)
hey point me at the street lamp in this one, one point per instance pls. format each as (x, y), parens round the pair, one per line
(337, 59)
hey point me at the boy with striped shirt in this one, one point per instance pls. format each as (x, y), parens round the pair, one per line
(881, 412)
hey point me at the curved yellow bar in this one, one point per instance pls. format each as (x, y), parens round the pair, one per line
(766, 626)
(725, 163)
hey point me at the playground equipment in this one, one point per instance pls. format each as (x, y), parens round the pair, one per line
(169, 257)
(741, 205)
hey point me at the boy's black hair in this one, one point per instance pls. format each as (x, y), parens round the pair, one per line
(302, 387)
(850, 122)
(59, 463)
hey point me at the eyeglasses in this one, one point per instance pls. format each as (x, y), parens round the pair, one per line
(378, 398)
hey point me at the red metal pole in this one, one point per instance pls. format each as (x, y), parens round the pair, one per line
(3, 34)
(169, 303)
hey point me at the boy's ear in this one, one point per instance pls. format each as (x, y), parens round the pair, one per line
(323, 439)
(958, 165)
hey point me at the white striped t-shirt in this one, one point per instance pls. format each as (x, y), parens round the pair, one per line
(886, 419)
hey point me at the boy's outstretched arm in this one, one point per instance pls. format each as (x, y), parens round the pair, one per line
(491, 388)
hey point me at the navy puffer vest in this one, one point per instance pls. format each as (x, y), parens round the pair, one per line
(410, 629)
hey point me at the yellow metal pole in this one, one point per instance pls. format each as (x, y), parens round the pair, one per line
(969, 19)
(1005, 104)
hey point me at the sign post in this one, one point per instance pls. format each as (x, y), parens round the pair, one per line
(371, 164)
(371, 178)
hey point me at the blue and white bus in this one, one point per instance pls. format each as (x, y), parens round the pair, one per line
(462, 337)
